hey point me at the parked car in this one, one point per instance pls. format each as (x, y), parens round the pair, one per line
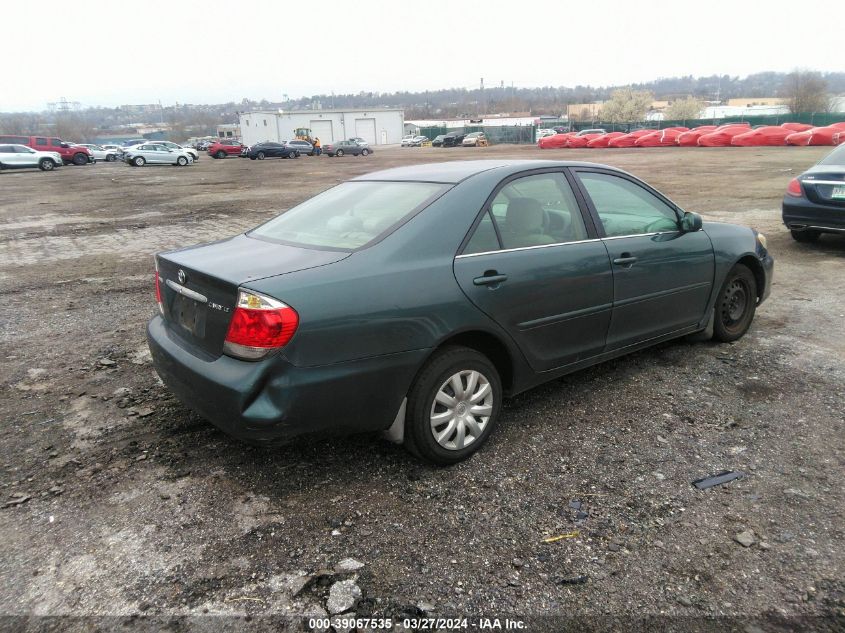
(224, 148)
(346, 147)
(437, 141)
(260, 151)
(475, 139)
(71, 154)
(101, 153)
(156, 154)
(814, 202)
(301, 147)
(21, 156)
(544, 132)
(406, 140)
(593, 131)
(176, 147)
(412, 300)
(418, 141)
(453, 139)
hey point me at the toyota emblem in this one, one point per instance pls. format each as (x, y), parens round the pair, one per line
(182, 276)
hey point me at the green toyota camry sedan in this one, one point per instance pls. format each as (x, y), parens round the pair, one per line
(413, 300)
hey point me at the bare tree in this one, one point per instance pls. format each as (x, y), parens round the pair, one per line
(683, 109)
(627, 106)
(805, 91)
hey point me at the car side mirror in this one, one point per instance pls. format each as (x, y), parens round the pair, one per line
(691, 222)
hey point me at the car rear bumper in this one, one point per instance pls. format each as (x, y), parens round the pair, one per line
(270, 401)
(800, 214)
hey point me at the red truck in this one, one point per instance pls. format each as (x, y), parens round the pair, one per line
(70, 153)
(224, 148)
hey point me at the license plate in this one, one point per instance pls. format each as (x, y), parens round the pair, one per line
(838, 193)
(190, 315)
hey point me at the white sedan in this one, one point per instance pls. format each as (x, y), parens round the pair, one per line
(21, 156)
(156, 154)
(194, 154)
(107, 153)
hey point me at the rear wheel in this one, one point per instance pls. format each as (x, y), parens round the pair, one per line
(220, 154)
(110, 158)
(45, 164)
(735, 305)
(139, 161)
(339, 152)
(181, 161)
(80, 159)
(364, 152)
(453, 406)
(805, 236)
(260, 156)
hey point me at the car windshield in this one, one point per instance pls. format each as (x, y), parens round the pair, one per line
(836, 157)
(349, 216)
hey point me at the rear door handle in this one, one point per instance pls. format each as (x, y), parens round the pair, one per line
(490, 280)
(627, 260)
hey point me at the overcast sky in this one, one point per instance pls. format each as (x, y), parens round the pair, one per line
(113, 52)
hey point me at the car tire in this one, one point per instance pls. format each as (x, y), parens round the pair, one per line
(45, 164)
(260, 156)
(296, 154)
(440, 441)
(139, 161)
(80, 159)
(220, 154)
(364, 152)
(805, 236)
(339, 152)
(181, 161)
(735, 305)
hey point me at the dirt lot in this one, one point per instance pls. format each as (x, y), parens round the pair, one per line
(121, 501)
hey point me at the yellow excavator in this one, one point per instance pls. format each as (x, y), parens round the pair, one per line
(303, 134)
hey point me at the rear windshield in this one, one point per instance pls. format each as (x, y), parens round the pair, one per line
(836, 157)
(351, 215)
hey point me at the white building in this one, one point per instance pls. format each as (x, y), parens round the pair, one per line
(377, 127)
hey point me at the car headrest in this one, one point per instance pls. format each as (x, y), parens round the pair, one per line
(525, 215)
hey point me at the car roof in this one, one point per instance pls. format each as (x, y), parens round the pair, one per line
(454, 172)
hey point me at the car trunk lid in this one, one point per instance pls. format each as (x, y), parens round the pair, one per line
(824, 185)
(199, 285)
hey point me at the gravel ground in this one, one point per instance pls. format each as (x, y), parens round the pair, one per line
(118, 501)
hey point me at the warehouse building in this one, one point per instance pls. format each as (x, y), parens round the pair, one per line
(377, 127)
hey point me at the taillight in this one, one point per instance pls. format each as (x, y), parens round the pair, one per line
(158, 292)
(794, 188)
(259, 325)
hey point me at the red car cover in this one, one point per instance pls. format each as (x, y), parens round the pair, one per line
(818, 135)
(796, 127)
(768, 135)
(628, 140)
(690, 138)
(581, 141)
(661, 138)
(557, 141)
(721, 136)
(604, 139)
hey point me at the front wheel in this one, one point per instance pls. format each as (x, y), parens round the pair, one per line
(735, 305)
(80, 159)
(181, 161)
(110, 158)
(364, 152)
(139, 161)
(46, 165)
(805, 236)
(260, 156)
(453, 406)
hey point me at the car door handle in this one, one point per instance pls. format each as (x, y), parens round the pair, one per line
(491, 279)
(627, 260)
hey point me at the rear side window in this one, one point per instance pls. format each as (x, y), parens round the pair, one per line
(484, 239)
(538, 210)
(351, 215)
(22, 140)
(836, 157)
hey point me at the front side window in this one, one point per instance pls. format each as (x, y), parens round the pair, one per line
(351, 215)
(538, 210)
(56, 142)
(625, 208)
